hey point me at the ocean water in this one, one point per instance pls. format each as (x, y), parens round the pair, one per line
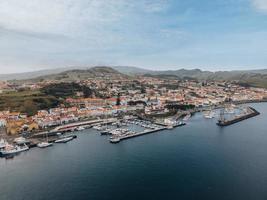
(197, 161)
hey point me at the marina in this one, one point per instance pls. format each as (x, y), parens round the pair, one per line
(117, 129)
(177, 157)
(117, 139)
(248, 113)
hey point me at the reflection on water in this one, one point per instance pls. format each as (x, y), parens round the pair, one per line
(196, 161)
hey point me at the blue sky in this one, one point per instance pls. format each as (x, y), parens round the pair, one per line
(154, 34)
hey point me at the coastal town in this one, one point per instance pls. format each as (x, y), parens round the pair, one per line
(159, 104)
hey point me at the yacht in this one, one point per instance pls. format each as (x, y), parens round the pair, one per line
(64, 139)
(10, 149)
(105, 132)
(114, 139)
(20, 140)
(80, 128)
(181, 123)
(99, 128)
(44, 144)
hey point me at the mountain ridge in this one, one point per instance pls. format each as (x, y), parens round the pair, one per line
(256, 78)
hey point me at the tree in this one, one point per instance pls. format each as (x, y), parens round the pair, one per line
(118, 102)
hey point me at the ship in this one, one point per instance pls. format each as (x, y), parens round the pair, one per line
(11, 150)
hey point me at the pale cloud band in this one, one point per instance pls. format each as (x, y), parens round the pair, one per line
(260, 5)
(53, 33)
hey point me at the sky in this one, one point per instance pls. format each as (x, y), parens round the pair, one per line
(153, 34)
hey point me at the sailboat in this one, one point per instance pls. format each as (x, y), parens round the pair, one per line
(44, 144)
(3, 143)
(209, 115)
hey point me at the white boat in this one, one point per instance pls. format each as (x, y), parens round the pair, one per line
(209, 115)
(20, 140)
(169, 127)
(80, 128)
(64, 139)
(3, 143)
(114, 139)
(187, 117)
(44, 144)
(10, 149)
(99, 128)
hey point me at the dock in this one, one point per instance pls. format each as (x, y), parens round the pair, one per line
(124, 137)
(252, 113)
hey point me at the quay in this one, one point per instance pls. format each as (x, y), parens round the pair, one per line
(252, 113)
(124, 137)
(83, 123)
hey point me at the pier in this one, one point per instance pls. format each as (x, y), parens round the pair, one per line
(251, 113)
(124, 137)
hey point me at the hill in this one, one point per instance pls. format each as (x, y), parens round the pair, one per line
(30, 101)
(106, 73)
(256, 78)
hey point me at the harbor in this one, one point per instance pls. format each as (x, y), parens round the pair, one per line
(168, 156)
(119, 129)
(247, 113)
(117, 139)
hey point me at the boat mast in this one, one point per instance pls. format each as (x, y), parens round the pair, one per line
(222, 118)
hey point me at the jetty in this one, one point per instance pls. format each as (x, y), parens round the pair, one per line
(251, 112)
(117, 139)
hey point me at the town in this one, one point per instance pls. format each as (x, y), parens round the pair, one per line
(164, 102)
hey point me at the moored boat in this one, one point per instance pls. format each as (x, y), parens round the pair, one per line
(20, 140)
(44, 144)
(114, 140)
(181, 123)
(80, 128)
(64, 139)
(10, 149)
(187, 117)
(3, 143)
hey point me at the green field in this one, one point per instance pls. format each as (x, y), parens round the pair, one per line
(28, 102)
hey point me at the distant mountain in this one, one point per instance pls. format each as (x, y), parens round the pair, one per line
(81, 74)
(131, 70)
(183, 73)
(30, 75)
(256, 78)
(246, 77)
(35, 74)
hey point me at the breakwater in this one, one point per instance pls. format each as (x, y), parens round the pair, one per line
(124, 137)
(251, 113)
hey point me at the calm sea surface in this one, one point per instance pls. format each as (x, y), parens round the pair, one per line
(197, 161)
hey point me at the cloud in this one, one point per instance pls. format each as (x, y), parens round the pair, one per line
(66, 31)
(261, 5)
(69, 16)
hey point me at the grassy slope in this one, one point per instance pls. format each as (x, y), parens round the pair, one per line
(26, 101)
